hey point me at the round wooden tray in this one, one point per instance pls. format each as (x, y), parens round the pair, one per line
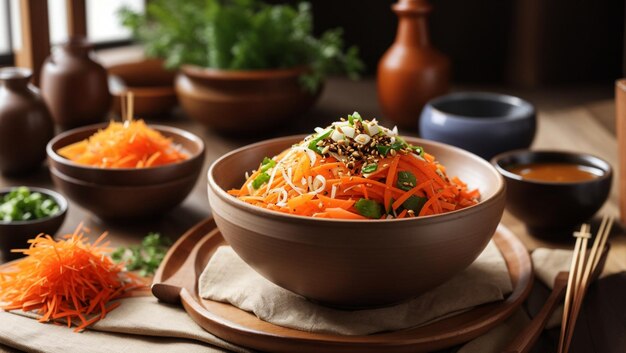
(177, 278)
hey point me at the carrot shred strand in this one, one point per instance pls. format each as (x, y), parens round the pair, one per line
(66, 280)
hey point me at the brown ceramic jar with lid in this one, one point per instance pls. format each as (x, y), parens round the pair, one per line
(411, 72)
(74, 86)
(25, 123)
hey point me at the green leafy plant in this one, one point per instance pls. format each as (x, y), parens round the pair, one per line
(146, 257)
(241, 35)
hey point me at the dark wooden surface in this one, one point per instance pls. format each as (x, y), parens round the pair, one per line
(571, 118)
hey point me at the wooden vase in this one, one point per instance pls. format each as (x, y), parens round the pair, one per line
(411, 72)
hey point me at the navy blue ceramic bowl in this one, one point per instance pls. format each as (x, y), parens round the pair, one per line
(483, 123)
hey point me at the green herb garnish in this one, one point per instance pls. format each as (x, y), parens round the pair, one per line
(414, 203)
(369, 208)
(354, 117)
(313, 144)
(267, 164)
(241, 35)
(146, 257)
(20, 204)
(417, 149)
(370, 168)
(260, 180)
(406, 180)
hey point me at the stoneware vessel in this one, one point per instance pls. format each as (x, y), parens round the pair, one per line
(74, 86)
(553, 210)
(190, 143)
(355, 263)
(151, 84)
(242, 102)
(483, 123)
(411, 72)
(124, 203)
(15, 234)
(25, 123)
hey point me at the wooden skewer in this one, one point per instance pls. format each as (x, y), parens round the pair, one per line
(129, 111)
(570, 284)
(123, 106)
(591, 264)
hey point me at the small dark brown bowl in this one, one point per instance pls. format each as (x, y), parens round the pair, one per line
(124, 203)
(356, 263)
(151, 84)
(553, 210)
(190, 143)
(14, 235)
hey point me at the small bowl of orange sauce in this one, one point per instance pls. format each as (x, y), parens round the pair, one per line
(554, 192)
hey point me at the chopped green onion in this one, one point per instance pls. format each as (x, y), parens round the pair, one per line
(353, 117)
(313, 144)
(260, 180)
(369, 208)
(267, 164)
(145, 257)
(406, 180)
(20, 204)
(370, 168)
(414, 203)
(417, 149)
(382, 150)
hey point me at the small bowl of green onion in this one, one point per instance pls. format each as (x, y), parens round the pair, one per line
(26, 212)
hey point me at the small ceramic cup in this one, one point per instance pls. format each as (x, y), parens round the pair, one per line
(483, 123)
(553, 210)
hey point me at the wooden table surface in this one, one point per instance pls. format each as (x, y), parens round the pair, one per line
(569, 119)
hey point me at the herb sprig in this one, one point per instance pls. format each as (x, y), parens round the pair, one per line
(146, 257)
(241, 35)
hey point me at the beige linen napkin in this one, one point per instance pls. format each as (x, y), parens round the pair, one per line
(144, 325)
(140, 324)
(228, 279)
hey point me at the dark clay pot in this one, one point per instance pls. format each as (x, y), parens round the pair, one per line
(74, 86)
(25, 123)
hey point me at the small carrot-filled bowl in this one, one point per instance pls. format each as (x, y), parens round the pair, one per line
(355, 263)
(117, 179)
(187, 143)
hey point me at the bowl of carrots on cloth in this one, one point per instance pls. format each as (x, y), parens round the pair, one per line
(354, 215)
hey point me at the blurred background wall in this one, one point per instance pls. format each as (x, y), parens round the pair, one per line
(520, 42)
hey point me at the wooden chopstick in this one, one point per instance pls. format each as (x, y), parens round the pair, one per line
(584, 266)
(569, 293)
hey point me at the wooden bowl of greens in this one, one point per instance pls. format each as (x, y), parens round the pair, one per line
(26, 212)
(244, 65)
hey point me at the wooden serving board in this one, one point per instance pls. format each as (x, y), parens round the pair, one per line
(177, 278)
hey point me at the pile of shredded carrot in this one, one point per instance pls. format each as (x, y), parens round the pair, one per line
(66, 280)
(302, 182)
(131, 144)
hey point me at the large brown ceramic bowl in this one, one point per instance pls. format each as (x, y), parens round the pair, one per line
(124, 202)
(242, 101)
(151, 84)
(355, 263)
(189, 142)
(15, 234)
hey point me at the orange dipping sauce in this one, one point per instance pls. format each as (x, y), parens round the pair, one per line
(556, 172)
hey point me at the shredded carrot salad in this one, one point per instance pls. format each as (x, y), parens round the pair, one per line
(131, 144)
(66, 280)
(355, 169)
